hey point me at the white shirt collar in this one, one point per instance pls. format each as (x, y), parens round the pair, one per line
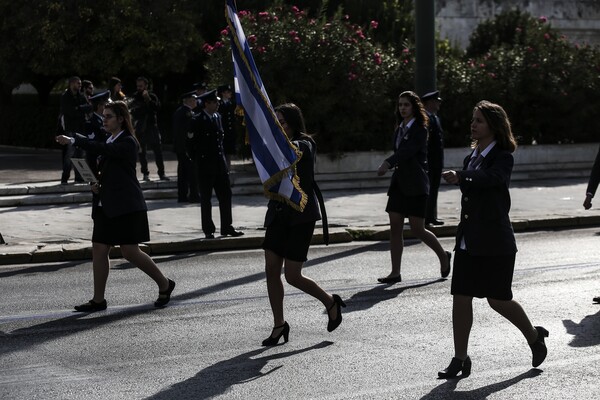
(112, 139)
(485, 151)
(409, 123)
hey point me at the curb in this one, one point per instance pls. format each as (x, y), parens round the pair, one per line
(32, 253)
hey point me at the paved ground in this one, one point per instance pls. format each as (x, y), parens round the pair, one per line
(55, 232)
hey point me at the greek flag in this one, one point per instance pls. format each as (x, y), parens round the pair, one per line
(274, 155)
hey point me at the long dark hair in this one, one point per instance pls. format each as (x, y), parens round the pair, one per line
(294, 119)
(120, 109)
(417, 106)
(499, 124)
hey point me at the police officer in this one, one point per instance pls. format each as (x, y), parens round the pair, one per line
(205, 148)
(94, 127)
(187, 183)
(227, 111)
(200, 88)
(435, 154)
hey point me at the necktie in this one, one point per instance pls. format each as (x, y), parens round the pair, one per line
(401, 133)
(475, 163)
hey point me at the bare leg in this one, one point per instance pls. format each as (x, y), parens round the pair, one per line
(293, 275)
(137, 257)
(273, 265)
(101, 266)
(396, 242)
(512, 311)
(462, 320)
(417, 226)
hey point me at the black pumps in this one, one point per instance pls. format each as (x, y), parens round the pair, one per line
(334, 323)
(91, 306)
(456, 365)
(165, 297)
(393, 279)
(538, 348)
(447, 272)
(285, 332)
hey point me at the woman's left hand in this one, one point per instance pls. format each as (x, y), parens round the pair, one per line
(62, 139)
(383, 168)
(451, 177)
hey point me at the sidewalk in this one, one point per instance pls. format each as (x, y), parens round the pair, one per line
(61, 230)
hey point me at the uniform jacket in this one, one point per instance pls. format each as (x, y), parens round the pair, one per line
(594, 176)
(410, 161)
(227, 111)
(73, 108)
(485, 204)
(305, 169)
(435, 144)
(120, 191)
(94, 130)
(182, 125)
(205, 144)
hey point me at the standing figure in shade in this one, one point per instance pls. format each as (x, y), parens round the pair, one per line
(407, 195)
(227, 110)
(187, 183)
(73, 109)
(200, 88)
(118, 209)
(205, 148)
(591, 191)
(88, 89)
(485, 243)
(94, 127)
(289, 233)
(116, 89)
(144, 107)
(435, 154)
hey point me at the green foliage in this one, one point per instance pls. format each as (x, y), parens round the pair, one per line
(344, 82)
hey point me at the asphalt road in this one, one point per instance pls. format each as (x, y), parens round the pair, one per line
(207, 343)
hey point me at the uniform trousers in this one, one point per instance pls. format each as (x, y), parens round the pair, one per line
(218, 181)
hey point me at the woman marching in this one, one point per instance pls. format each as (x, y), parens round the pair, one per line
(118, 209)
(407, 195)
(289, 233)
(485, 242)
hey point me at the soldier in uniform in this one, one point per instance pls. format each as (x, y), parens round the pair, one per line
(205, 148)
(94, 127)
(227, 111)
(435, 154)
(187, 183)
(144, 107)
(200, 88)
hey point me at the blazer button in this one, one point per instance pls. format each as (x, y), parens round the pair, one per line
(466, 198)
(466, 216)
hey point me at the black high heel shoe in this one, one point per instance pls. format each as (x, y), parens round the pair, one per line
(456, 366)
(165, 297)
(285, 332)
(538, 348)
(334, 323)
(447, 272)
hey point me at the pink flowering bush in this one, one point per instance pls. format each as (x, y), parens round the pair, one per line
(345, 83)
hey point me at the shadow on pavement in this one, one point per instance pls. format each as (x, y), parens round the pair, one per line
(586, 333)
(368, 298)
(447, 390)
(42, 268)
(218, 378)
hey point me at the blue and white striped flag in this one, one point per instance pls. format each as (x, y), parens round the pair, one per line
(274, 155)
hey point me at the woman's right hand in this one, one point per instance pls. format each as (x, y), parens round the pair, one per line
(383, 168)
(96, 188)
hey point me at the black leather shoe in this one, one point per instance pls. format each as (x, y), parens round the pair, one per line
(272, 341)
(91, 306)
(538, 348)
(447, 272)
(334, 323)
(209, 235)
(596, 299)
(393, 279)
(456, 365)
(232, 232)
(164, 178)
(436, 222)
(165, 296)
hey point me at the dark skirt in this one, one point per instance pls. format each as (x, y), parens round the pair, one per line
(289, 241)
(125, 229)
(483, 276)
(409, 206)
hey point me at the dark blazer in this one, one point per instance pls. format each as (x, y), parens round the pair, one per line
(306, 173)
(73, 108)
(204, 144)
(594, 176)
(182, 125)
(485, 204)
(120, 191)
(410, 162)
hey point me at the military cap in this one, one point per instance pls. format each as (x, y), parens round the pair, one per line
(209, 96)
(431, 95)
(100, 97)
(223, 88)
(188, 94)
(200, 85)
